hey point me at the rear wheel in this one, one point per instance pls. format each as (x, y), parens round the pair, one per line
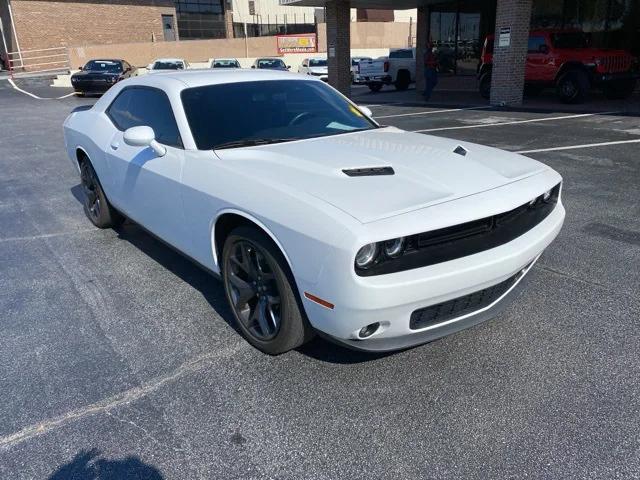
(618, 89)
(403, 80)
(485, 85)
(375, 87)
(96, 206)
(262, 293)
(573, 86)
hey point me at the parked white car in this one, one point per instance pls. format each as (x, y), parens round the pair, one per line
(316, 67)
(164, 64)
(225, 63)
(316, 218)
(398, 69)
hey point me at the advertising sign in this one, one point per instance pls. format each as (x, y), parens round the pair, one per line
(300, 43)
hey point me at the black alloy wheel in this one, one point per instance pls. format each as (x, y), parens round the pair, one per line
(96, 206)
(262, 292)
(255, 295)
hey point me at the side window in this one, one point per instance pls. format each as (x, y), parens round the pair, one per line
(535, 43)
(136, 107)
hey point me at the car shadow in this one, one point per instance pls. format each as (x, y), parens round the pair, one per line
(213, 292)
(90, 465)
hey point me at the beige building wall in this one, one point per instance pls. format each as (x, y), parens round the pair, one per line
(371, 35)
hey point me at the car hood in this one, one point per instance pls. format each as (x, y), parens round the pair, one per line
(89, 74)
(426, 170)
(319, 70)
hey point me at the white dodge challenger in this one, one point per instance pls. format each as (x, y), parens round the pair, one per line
(315, 217)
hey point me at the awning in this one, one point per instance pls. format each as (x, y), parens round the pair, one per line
(379, 4)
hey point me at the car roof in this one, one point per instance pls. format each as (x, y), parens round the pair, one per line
(181, 79)
(115, 60)
(169, 60)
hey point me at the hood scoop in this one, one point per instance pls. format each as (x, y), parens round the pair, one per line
(460, 150)
(368, 171)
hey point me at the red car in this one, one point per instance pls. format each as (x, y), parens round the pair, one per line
(564, 59)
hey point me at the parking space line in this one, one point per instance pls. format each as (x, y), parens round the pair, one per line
(45, 235)
(586, 145)
(434, 111)
(36, 96)
(514, 122)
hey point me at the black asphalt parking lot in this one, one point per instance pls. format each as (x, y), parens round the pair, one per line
(117, 357)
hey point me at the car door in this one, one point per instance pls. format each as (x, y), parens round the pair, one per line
(537, 59)
(147, 186)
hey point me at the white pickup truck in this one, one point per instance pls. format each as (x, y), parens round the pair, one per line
(399, 69)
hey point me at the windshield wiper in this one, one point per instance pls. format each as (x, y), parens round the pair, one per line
(252, 142)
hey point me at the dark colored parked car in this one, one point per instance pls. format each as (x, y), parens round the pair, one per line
(270, 64)
(565, 59)
(97, 76)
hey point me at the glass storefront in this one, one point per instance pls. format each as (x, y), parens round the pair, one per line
(458, 28)
(608, 23)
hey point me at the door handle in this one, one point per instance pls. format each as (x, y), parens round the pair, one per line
(115, 145)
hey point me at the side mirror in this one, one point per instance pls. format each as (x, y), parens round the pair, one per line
(366, 110)
(253, 66)
(543, 49)
(80, 67)
(143, 137)
(288, 67)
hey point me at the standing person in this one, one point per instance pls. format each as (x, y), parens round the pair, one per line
(430, 71)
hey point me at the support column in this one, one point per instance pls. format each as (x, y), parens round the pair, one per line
(507, 78)
(228, 24)
(422, 36)
(339, 44)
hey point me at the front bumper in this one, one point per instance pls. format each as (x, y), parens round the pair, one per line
(391, 299)
(386, 79)
(91, 86)
(600, 78)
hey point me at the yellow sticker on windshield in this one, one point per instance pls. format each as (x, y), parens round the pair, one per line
(355, 111)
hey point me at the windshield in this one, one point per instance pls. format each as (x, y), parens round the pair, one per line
(271, 63)
(570, 40)
(103, 66)
(317, 62)
(268, 111)
(167, 65)
(226, 64)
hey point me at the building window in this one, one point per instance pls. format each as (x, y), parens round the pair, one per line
(200, 19)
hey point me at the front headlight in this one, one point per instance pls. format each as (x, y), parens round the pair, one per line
(366, 256)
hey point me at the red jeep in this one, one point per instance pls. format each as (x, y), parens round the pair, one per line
(564, 59)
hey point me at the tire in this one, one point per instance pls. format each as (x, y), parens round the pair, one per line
(485, 85)
(403, 80)
(573, 86)
(619, 89)
(96, 206)
(375, 87)
(262, 293)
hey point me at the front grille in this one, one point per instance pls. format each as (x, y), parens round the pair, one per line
(426, 317)
(616, 63)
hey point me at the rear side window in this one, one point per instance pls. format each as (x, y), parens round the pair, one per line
(137, 106)
(405, 53)
(535, 42)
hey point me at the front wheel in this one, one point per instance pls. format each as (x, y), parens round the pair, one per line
(261, 292)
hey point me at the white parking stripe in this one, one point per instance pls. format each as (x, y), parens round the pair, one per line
(514, 122)
(433, 111)
(586, 145)
(35, 96)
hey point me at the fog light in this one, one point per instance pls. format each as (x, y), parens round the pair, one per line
(546, 196)
(532, 203)
(369, 330)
